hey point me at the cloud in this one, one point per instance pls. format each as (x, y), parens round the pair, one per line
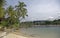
(40, 9)
(45, 6)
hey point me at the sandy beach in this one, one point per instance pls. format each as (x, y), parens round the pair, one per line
(12, 35)
(51, 32)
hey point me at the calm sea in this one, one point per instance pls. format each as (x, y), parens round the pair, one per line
(42, 32)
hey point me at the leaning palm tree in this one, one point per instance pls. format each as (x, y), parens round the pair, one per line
(21, 10)
(13, 16)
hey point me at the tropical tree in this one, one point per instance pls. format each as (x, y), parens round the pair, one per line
(12, 21)
(2, 10)
(13, 15)
(22, 11)
(2, 3)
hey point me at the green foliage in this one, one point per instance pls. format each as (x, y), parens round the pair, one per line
(2, 3)
(13, 14)
(4, 23)
(20, 8)
(2, 12)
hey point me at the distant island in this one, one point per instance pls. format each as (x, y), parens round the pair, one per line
(42, 23)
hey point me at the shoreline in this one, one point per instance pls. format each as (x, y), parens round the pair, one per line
(13, 35)
(34, 33)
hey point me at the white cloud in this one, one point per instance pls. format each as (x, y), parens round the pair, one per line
(48, 7)
(44, 9)
(40, 9)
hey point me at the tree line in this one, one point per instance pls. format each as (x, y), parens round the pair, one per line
(42, 23)
(9, 17)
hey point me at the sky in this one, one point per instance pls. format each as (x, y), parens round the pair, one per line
(39, 9)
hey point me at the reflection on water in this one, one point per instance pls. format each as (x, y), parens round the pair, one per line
(45, 32)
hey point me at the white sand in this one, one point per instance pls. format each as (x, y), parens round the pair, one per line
(11, 35)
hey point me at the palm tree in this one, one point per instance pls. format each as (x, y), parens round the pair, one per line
(11, 13)
(2, 10)
(10, 21)
(2, 3)
(21, 10)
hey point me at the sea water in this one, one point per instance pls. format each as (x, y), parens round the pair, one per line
(42, 32)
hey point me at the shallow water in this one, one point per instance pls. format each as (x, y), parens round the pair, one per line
(42, 32)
